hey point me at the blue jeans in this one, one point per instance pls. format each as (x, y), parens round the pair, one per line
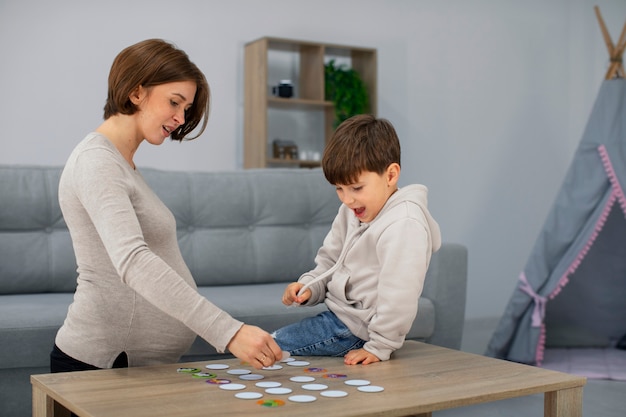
(322, 335)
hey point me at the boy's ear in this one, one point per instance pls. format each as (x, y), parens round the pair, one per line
(393, 174)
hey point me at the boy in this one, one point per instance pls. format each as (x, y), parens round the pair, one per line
(371, 267)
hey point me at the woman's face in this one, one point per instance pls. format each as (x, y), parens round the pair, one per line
(162, 109)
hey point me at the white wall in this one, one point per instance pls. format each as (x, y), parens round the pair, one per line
(490, 98)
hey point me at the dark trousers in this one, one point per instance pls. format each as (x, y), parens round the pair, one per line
(61, 362)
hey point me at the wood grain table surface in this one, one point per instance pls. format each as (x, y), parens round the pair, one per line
(418, 380)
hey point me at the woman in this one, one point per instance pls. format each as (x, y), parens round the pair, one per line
(136, 302)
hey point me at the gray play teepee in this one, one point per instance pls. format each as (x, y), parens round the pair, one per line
(572, 291)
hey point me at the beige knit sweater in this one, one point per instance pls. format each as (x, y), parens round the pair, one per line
(134, 294)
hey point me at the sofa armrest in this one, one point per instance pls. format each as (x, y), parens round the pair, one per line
(446, 287)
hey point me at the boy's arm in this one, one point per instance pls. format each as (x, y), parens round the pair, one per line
(326, 258)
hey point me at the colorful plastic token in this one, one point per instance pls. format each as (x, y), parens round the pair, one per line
(204, 375)
(217, 366)
(334, 376)
(314, 387)
(298, 363)
(288, 360)
(333, 394)
(249, 395)
(286, 355)
(188, 370)
(239, 371)
(279, 391)
(270, 403)
(268, 384)
(315, 370)
(357, 382)
(218, 381)
(302, 379)
(302, 398)
(251, 377)
(272, 368)
(370, 388)
(232, 387)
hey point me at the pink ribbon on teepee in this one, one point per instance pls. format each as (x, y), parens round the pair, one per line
(539, 311)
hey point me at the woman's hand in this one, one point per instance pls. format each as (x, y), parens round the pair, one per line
(255, 346)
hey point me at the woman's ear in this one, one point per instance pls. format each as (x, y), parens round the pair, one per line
(393, 174)
(137, 95)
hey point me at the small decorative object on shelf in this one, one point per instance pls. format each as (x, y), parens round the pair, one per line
(284, 149)
(283, 89)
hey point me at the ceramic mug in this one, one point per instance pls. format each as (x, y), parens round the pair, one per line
(283, 89)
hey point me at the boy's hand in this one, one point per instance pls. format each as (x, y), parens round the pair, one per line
(290, 295)
(361, 356)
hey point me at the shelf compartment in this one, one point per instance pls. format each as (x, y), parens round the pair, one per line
(269, 60)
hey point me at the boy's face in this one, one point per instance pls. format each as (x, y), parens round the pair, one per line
(368, 195)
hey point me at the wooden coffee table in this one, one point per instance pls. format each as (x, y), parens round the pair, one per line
(419, 380)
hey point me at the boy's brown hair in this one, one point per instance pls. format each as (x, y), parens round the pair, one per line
(361, 143)
(153, 62)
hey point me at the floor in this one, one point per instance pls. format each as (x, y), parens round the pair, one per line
(601, 398)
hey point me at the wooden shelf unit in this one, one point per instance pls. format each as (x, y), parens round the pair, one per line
(309, 58)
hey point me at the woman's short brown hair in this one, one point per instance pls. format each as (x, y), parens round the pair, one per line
(153, 62)
(361, 143)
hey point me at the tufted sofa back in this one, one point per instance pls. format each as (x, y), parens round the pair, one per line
(236, 227)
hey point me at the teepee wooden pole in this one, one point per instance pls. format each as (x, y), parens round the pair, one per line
(619, 51)
(605, 32)
(616, 67)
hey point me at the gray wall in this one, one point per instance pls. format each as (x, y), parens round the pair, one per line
(490, 98)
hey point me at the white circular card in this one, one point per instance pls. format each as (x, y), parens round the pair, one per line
(333, 394)
(314, 387)
(302, 398)
(298, 363)
(251, 377)
(279, 390)
(217, 366)
(248, 395)
(302, 379)
(357, 382)
(268, 384)
(239, 371)
(232, 387)
(272, 368)
(370, 388)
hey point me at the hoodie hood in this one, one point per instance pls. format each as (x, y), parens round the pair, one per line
(414, 194)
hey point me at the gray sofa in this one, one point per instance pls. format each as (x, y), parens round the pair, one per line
(244, 234)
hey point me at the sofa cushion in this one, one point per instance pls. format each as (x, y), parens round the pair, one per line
(36, 253)
(29, 322)
(282, 211)
(28, 326)
(261, 305)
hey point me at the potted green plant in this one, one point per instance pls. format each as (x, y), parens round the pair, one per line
(345, 88)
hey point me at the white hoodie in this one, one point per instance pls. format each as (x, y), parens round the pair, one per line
(371, 275)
